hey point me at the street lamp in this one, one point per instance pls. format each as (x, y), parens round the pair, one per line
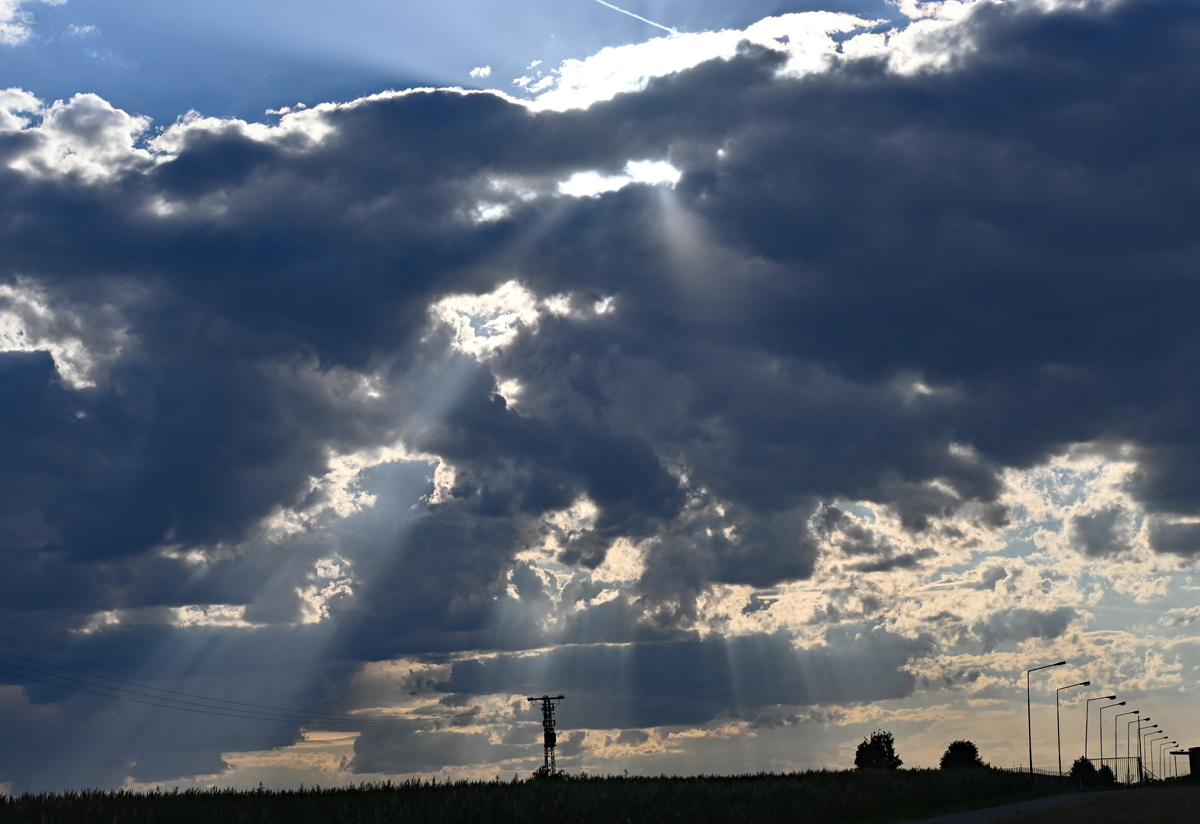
(1150, 730)
(1087, 715)
(1151, 741)
(1175, 763)
(1029, 711)
(1100, 712)
(1137, 721)
(1058, 717)
(1162, 760)
(1116, 729)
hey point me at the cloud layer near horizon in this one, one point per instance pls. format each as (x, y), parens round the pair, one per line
(367, 386)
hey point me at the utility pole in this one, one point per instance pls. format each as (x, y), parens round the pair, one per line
(549, 739)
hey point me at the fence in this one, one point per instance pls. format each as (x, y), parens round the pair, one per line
(1131, 770)
(1179, 766)
(1126, 770)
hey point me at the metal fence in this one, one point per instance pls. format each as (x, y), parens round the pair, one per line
(1126, 770)
(1130, 770)
(1179, 765)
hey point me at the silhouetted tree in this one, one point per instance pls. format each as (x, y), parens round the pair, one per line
(1084, 770)
(961, 755)
(877, 752)
(1088, 776)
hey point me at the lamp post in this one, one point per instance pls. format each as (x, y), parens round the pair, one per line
(1087, 715)
(1116, 730)
(1159, 739)
(1101, 714)
(1162, 758)
(1142, 748)
(1137, 721)
(1158, 744)
(1029, 710)
(1058, 717)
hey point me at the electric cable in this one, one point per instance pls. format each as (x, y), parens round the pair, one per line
(174, 692)
(277, 714)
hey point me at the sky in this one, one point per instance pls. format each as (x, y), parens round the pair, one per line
(756, 377)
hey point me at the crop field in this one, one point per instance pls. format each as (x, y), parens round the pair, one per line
(820, 797)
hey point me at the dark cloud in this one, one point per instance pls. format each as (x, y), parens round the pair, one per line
(644, 685)
(988, 578)
(1021, 624)
(905, 560)
(884, 287)
(1101, 533)
(383, 752)
(58, 734)
(1175, 538)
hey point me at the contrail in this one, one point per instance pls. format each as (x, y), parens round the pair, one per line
(637, 17)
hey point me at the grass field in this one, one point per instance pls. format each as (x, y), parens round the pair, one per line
(1154, 803)
(822, 797)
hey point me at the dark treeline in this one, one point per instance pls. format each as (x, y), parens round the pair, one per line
(819, 797)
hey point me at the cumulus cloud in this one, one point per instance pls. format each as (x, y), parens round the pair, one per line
(1179, 537)
(16, 22)
(384, 381)
(1022, 624)
(85, 136)
(1101, 533)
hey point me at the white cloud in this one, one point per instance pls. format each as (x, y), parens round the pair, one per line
(937, 37)
(481, 71)
(330, 579)
(1180, 617)
(84, 136)
(210, 615)
(484, 324)
(16, 23)
(14, 102)
(82, 344)
(593, 184)
(804, 37)
(309, 124)
(338, 493)
(88, 137)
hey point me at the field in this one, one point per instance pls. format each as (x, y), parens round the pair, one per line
(822, 797)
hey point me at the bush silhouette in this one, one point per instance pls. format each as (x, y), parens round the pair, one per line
(1084, 770)
(877, 752)
(961, 755)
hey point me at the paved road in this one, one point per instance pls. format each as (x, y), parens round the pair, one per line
(1005, 810)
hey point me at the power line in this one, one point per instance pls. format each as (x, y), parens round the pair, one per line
(289, 715)
(298, 716)
(174, 692)
(150, 703)
(252, 715)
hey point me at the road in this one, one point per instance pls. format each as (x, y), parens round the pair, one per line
(1006, 810)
